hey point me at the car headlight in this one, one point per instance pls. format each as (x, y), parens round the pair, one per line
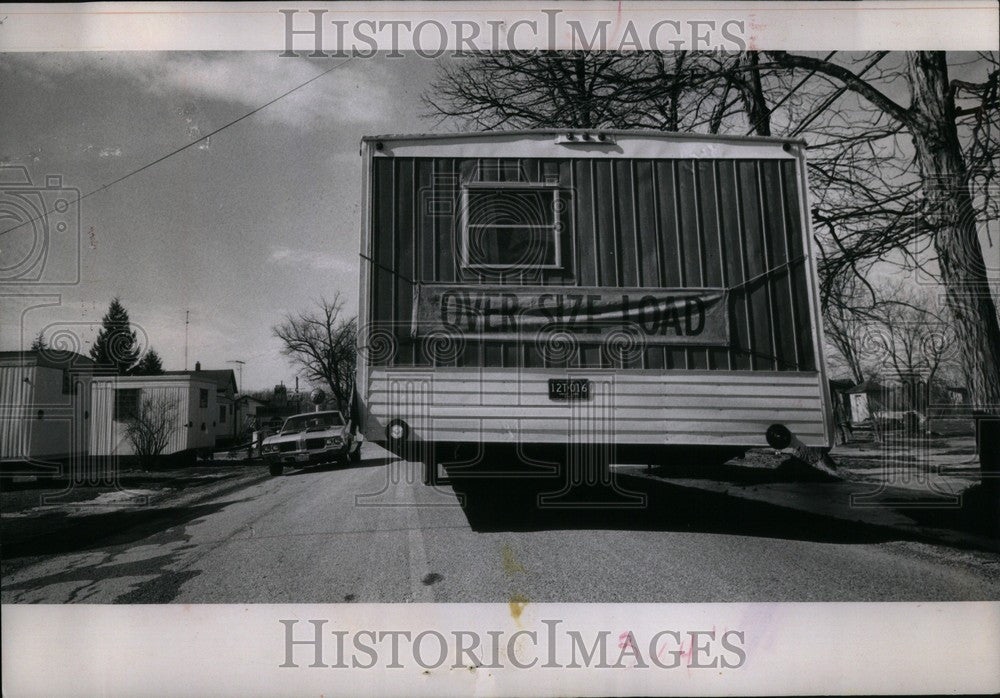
(334, 441)
(270, 448)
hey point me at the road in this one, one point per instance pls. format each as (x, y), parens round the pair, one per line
(372, 533)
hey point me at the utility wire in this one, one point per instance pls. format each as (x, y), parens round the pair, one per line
(833, 97)
(183, 147)
(770, 110)
(391, 271)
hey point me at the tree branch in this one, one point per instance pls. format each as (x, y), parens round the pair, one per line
(849, 80)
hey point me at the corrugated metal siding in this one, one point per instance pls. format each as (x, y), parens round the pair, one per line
(54, 435)
(107, 436)
(197, 415)
(626, 407)
(16, 411)
(26, 391)
(652, 223)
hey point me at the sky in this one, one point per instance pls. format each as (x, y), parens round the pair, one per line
(261, 220)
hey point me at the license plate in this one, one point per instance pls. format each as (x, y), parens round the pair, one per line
(569, 388)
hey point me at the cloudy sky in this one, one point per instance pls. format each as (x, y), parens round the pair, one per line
(256, 222)
(260, 220)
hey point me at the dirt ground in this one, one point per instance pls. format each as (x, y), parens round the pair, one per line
(23, 495)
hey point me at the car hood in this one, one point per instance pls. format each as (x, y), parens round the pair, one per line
(316, 434)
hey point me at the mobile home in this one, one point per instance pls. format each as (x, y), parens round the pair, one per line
(44, 402)
(193, 412)
(227, 426)
(642, 290)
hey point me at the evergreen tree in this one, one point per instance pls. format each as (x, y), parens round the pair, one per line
(116, 344)
(150, 365)
(39, 343)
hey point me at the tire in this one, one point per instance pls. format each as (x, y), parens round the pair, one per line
(275, 469)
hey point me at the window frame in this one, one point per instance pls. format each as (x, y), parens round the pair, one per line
(138, 402)
(203, 398)
(555, 228)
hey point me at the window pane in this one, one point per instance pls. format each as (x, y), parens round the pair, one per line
(126, 404)
(511, 227)
(511, 246)
(511, 207)
(312, 422)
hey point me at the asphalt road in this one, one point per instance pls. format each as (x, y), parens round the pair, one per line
(373, 533)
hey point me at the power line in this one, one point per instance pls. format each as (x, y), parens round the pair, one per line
(836, 95)
(770, 110)
(183, 147)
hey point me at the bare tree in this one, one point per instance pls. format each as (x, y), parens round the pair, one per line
(847, 325)
(324, 345)
(902, 158)
(517, 90)
(918, 338)
(593, 89)
(149, 431)
(946, 211)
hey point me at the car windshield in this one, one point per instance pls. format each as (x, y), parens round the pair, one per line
(312, 422)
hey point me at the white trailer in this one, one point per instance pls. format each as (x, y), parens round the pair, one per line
(642, 291)
(115, 399)
(44, 402)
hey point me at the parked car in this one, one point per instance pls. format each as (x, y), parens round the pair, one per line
(311, 437)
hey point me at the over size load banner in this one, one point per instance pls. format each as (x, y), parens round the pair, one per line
(655, 316)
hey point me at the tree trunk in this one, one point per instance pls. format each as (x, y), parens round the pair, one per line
(580, 70)
(951, 218)
(758, 113)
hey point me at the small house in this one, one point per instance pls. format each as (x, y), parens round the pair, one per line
(840, 399)
(246, 409)
(866, 399)
(957, 396)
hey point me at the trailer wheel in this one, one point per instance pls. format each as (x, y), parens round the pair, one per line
(275, 468)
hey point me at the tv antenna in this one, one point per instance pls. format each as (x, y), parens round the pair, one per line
(240, 369)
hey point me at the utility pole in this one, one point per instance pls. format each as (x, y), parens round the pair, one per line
(238, 387)
(187, 318)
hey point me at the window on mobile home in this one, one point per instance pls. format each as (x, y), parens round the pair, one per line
(203, 398)
(511, 225)
(126, 403)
